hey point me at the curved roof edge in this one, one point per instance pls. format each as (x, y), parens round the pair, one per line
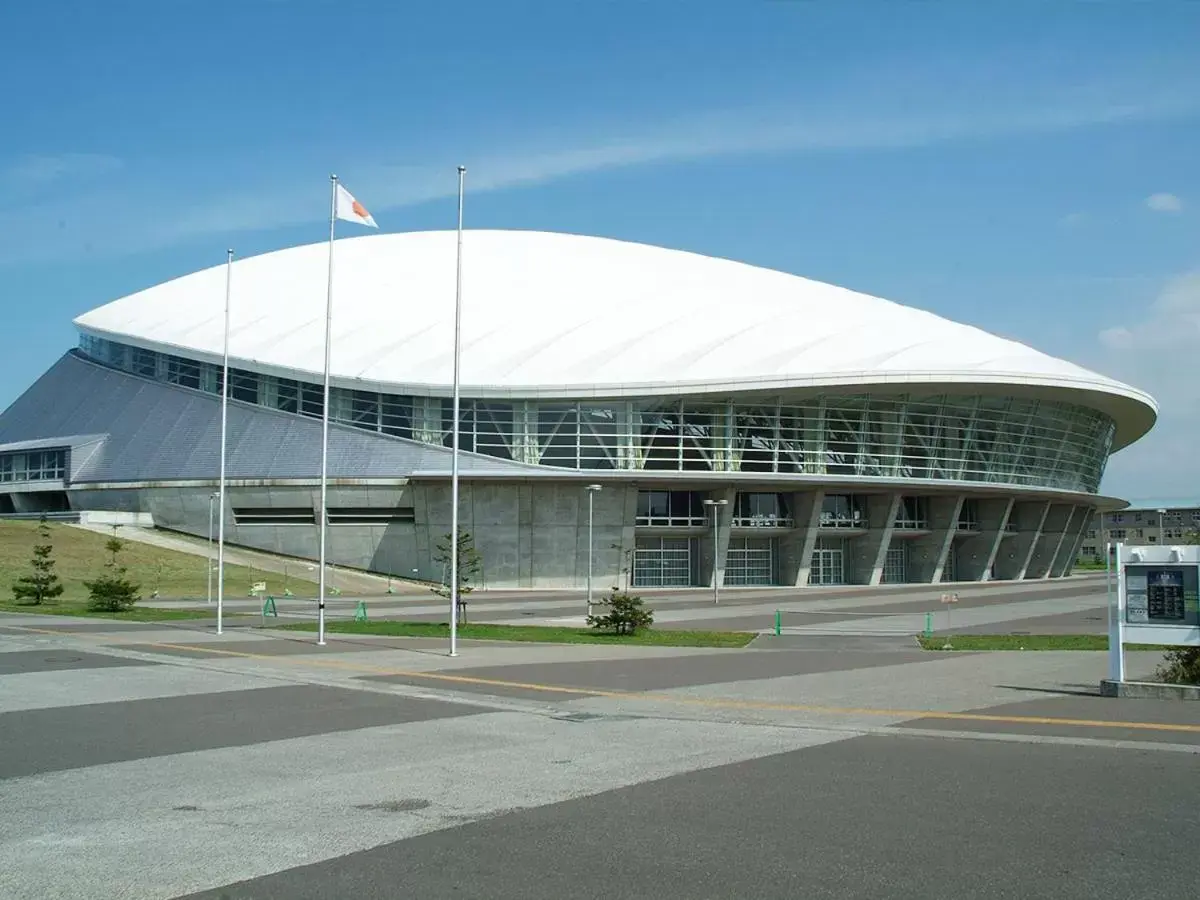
(1133, 411)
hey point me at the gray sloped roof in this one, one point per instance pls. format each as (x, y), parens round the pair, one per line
(156, 432)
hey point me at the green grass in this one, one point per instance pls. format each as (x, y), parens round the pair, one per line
(80, 555)
(1023, 642)
(649, 637)
(137, 614)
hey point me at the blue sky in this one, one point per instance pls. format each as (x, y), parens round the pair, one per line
(1027, 167)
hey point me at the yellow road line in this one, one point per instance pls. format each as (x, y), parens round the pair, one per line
(707, 702)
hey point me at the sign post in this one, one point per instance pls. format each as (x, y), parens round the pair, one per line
(948, 601)
(1157, 601)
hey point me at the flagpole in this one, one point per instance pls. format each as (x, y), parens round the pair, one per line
(462, 173)
(325, 417)
(224, 431)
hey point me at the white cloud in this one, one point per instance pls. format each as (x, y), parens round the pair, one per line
(1163, 202)
(1152, 351)
(1073, 220)
(1171, 320)
(110, 220)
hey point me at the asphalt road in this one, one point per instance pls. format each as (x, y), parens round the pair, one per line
(870, 817)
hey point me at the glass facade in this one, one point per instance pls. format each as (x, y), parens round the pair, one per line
(938, 437)
(33, 465)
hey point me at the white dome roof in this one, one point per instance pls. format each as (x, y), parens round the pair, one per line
(566, 315)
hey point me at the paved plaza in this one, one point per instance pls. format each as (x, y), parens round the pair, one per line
(835, 760)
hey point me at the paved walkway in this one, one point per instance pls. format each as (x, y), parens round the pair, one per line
(155, 760)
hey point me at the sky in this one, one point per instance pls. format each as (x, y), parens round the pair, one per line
(1026, 167)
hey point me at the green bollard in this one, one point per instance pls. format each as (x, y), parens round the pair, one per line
(360, 611)
(778, 623)
(928, 624)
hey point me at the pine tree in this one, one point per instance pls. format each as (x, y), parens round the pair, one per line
(470, 562)
(42, 585)
(112, 591)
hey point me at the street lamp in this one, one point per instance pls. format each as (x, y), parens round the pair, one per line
(1161, 513)
(715, 504)
(211, 499)
(591, 492)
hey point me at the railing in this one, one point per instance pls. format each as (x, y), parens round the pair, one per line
(763, 521)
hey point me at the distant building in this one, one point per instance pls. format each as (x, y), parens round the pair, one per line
(837, 438)
(1138, 525)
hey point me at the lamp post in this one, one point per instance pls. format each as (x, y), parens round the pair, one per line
(211, 499)
(1161, 513)
(715, 506)
(591, 492)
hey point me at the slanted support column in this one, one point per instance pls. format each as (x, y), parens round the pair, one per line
(927, 553)
(976, 552)
(628, 545)
(1069, 549)
(796, 547)
(870, 550)
(725, 524)
(1045, 549)
(1013, 559)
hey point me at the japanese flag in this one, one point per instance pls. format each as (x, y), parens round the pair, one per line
(351, 210)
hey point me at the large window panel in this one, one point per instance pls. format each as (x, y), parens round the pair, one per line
(396, 415)
(494, 429)
(558, 434)
(598, 436)
(755, 436)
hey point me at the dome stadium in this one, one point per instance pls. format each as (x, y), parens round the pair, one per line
(718, 420)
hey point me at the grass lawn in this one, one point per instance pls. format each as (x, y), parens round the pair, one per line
(137, 614)
(650, 637)
(80, 555)
(1024, 642)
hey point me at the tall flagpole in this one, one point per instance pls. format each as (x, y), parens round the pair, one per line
(462, 173)
(224, 429)
(325, 416)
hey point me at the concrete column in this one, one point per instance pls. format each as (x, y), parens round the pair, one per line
(977, 552)
(525, 535)
(927, 553)
(1045, 548)
(1069, 550)
(870, 550)
(1013, 559)
(796, 547)
(724, 523)
(628, 540)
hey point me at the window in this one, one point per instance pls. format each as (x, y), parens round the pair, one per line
(843, 511)
(1117, 534)
(33, 465)
(243, 386)
(283, 394)
(145, 363)
(752, 510)
(312, 400)
(183, 372)
(912, 514)
(676, 508)
(395, 415)
(968, 516)
(750, 561)
(662, 562)
(371, 515)
(1091, 533)
(1088, 550)
(299, 515)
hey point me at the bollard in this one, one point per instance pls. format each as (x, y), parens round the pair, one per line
(928, 624)
(360, 611)
(268, 608)
(778, 623)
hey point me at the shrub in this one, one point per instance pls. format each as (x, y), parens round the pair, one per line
(626, 614)
(112, 591)
(1181, 666)
(42, 584)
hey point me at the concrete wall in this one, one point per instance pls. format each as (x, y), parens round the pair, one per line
(534, 534)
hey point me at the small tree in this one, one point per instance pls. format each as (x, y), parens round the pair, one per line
(469, 564)
(42, 585)
(626, 614)
(112, 591)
